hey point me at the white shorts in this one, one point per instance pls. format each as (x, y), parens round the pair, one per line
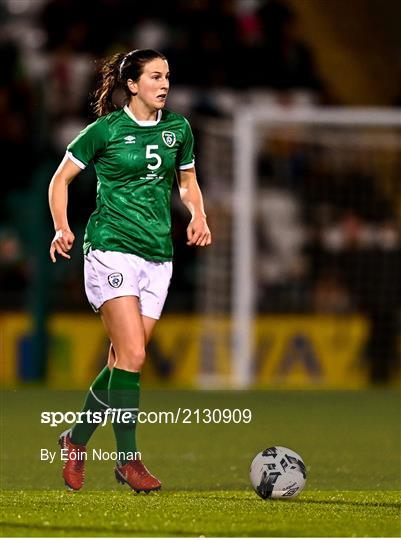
(110, 274)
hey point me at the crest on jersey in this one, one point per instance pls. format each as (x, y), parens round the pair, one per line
(115, 279)
(169, 138)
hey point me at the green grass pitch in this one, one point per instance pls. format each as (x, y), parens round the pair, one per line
(349, 440)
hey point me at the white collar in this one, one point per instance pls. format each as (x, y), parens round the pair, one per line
(143, 123)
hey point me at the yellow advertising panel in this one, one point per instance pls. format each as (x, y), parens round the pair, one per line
(188, 351)
(308, 351)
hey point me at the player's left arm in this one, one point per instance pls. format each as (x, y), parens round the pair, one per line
(198, 232)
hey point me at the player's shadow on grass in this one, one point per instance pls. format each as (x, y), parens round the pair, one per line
(345, 503)
(317, 501)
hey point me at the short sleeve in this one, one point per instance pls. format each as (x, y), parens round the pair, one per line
(185, 155)
(91, 142)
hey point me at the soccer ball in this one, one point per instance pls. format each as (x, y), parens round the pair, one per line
(278, 472)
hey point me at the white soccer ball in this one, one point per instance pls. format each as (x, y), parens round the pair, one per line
(278, 472)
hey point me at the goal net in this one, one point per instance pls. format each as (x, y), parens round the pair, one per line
(305, 209)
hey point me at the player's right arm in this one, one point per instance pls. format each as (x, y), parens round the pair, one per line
(58, 200)
(90, 142)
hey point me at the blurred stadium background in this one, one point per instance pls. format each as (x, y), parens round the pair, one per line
(302, 287)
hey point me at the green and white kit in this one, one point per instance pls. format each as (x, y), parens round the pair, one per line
(128, 246)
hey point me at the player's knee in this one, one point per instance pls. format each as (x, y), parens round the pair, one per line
(130, 358)
(138, 359)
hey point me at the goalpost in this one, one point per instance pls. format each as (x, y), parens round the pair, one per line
(347, 138)
(246, 123)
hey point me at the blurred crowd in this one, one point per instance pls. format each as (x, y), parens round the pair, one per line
(317, 238)
(49, 52)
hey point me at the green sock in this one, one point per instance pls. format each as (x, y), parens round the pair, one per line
(96, 400)
(124, 396)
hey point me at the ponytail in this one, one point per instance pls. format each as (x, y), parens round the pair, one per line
(114, 74)
(109, 81)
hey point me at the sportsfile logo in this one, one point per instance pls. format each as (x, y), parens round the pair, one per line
(178, 416)
(119, 416)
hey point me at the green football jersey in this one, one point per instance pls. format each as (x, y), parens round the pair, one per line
(135, 163)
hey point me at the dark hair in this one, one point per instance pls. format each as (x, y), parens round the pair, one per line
(114, 73)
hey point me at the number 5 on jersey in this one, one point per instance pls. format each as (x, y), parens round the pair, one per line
(153, 155)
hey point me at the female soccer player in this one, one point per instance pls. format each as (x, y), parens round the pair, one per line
(136, 151)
